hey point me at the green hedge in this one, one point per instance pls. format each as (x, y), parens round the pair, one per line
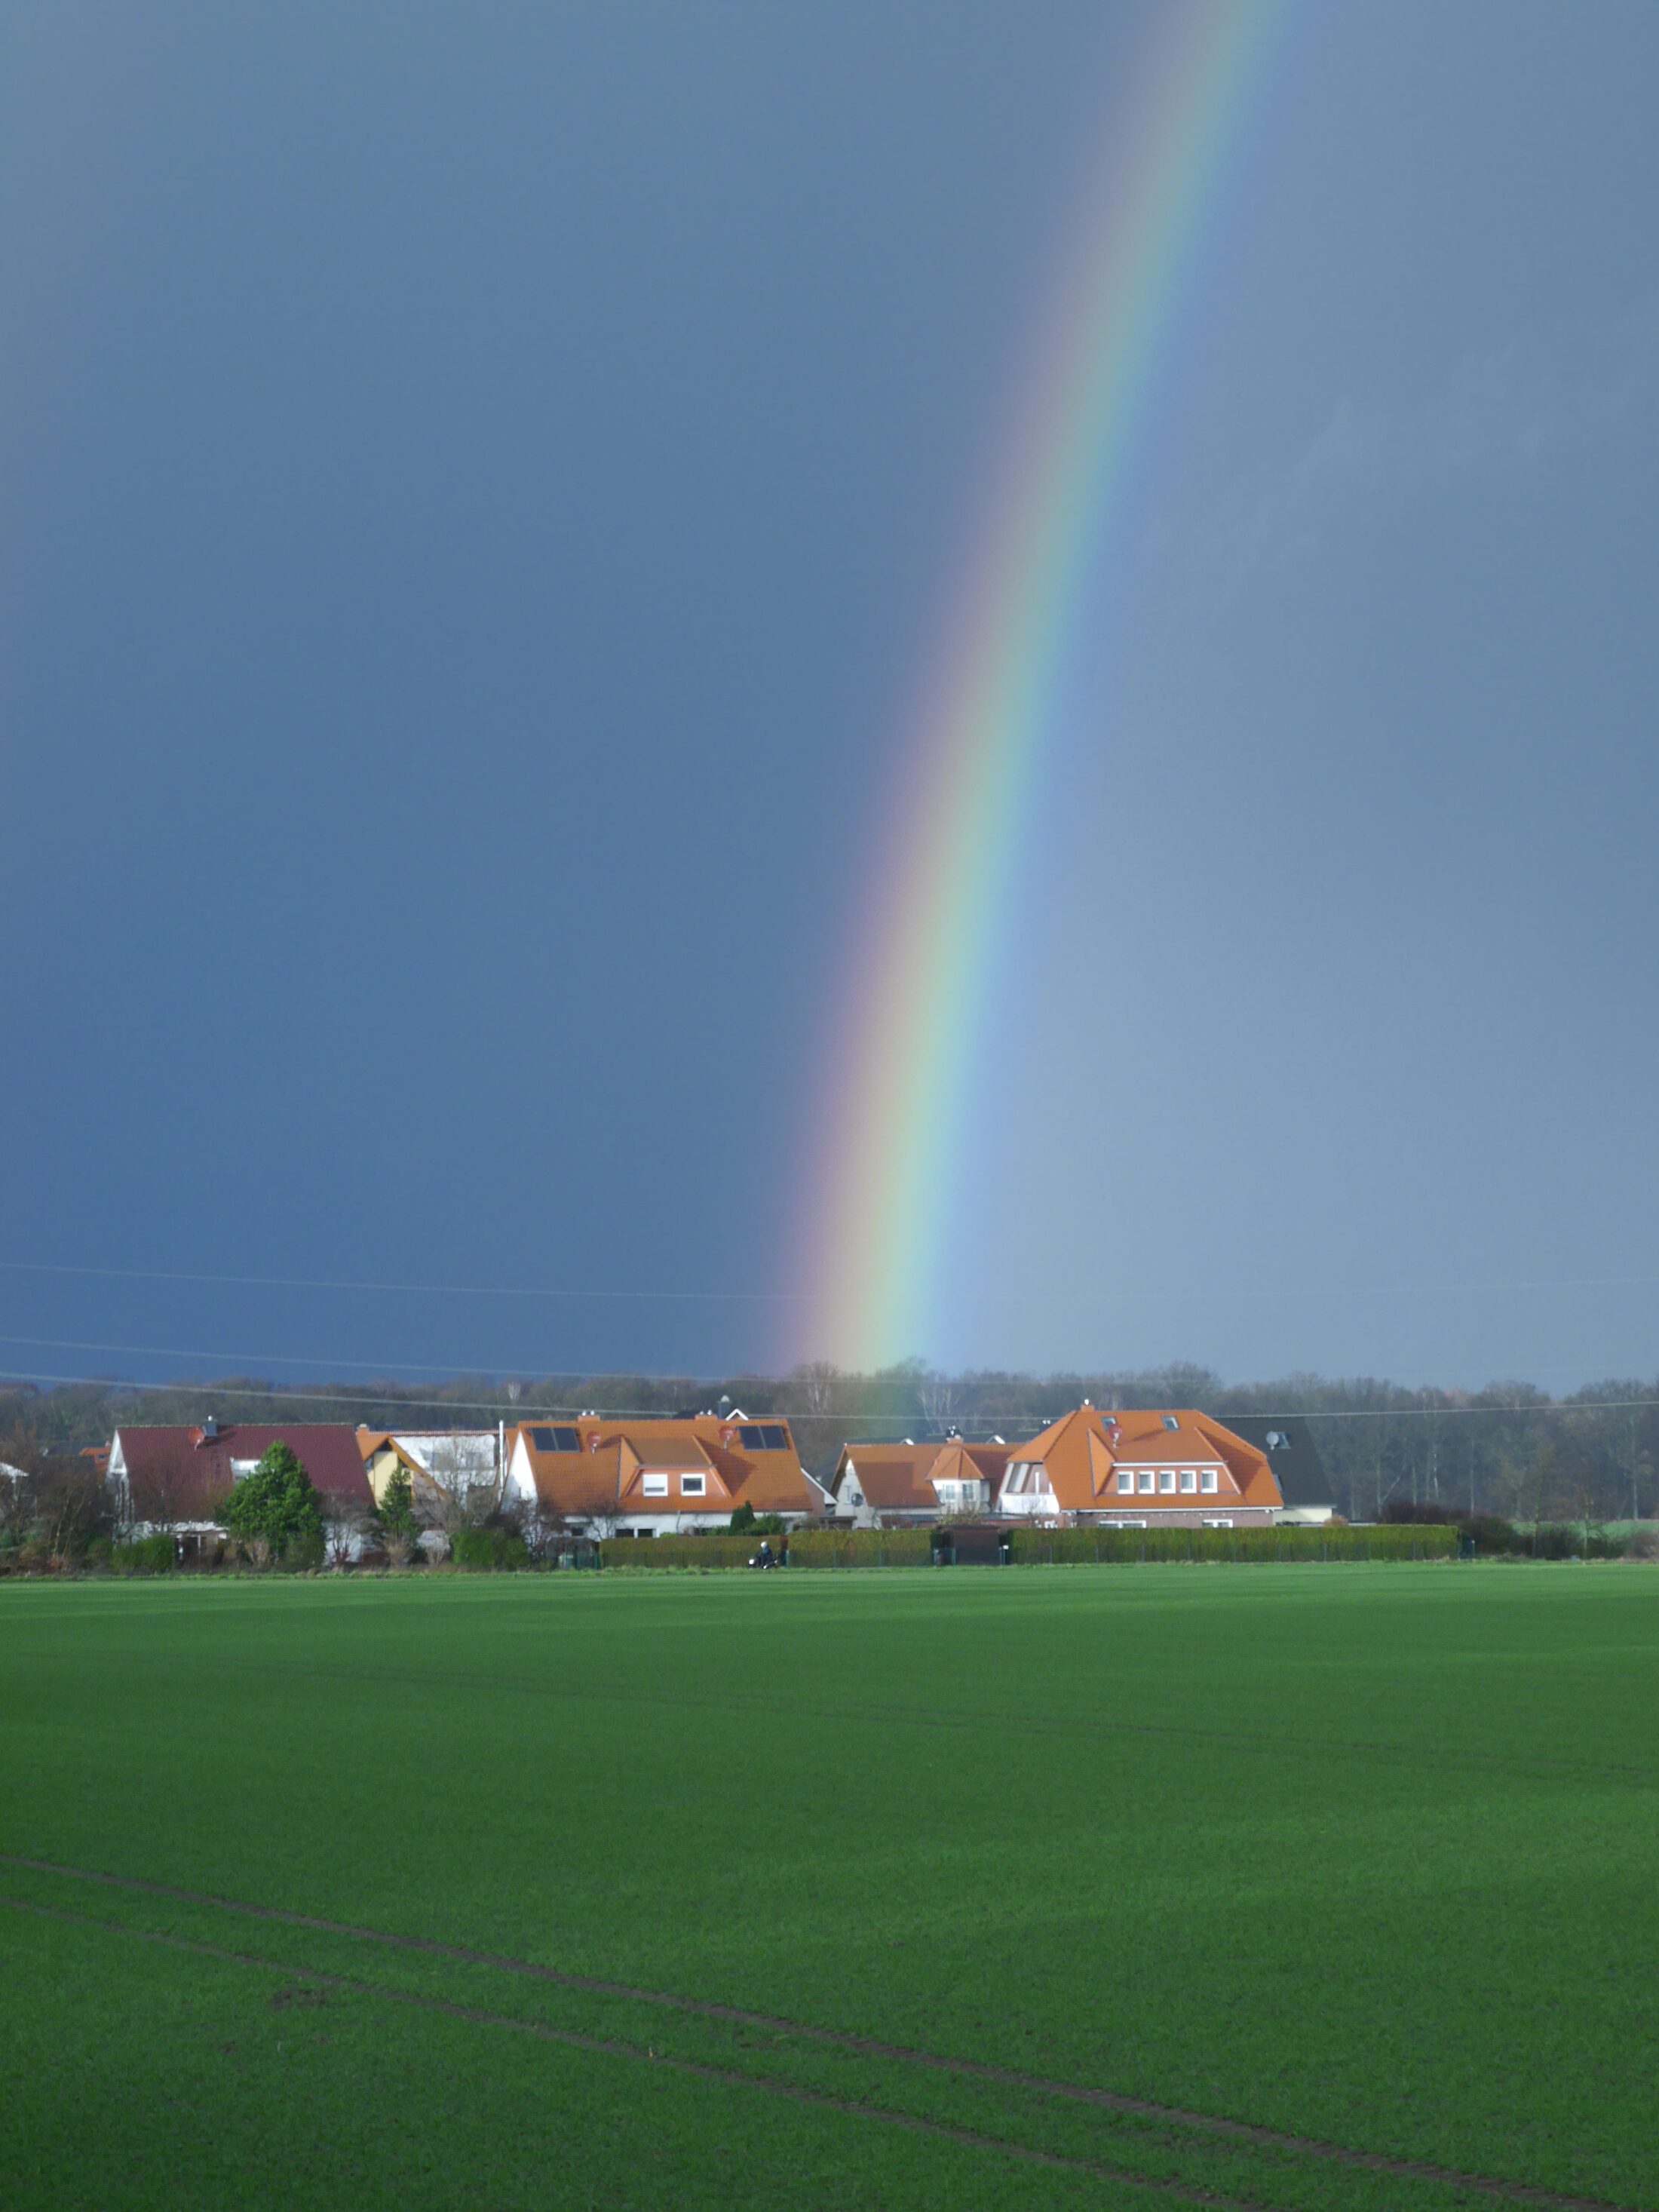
(861, 1547)
(913, 1548)
(488, 1548)
(660, 1552)
(1060, 1546)
(810, 1547)
(144, 1555)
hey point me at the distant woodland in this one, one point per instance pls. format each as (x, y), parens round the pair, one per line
(1507, 1449)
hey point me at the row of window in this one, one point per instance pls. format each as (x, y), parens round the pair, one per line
(691, 1485)
(1206, 1521)
(1147, 1480)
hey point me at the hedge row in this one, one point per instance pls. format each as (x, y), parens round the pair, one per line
(807, 1547)
(1059, 1546)
(860, 1547)
(913, 1548)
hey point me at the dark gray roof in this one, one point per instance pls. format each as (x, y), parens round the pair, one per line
(1296, 1462)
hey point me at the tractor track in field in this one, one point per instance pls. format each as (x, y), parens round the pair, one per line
(699, 2070)
(1214, 2125)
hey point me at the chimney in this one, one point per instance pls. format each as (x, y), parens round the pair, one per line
(209, 1428)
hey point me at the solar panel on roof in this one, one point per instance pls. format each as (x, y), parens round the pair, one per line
(752, 1436)
(777, 1436)
(556, 1439)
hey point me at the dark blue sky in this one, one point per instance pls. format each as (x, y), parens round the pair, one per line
(477, 488)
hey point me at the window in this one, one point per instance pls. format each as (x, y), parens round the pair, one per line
(1208, 1481)
(1171, 1422)
(655, 1485)
(556, 1439)
(692, 1485)
(1128, 1524)
(1125, 1481)
(1189, 1477)
(1147, 1480)
(1166, 1480)
(1209, 1521)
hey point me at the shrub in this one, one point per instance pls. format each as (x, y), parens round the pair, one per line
(1570, 1539)
(489, 1549)
(1491, 1534)
(743, 1519)
(144, 1555)
(394, 1517)
(1642, 1541)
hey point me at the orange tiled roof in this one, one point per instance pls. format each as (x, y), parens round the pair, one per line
(1082, 1450)
(900, 1478)
(615, 1454)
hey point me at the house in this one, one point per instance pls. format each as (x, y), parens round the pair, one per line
(650, 1478)
(1140, 1468)
(176, 1477)
(448, 1469)
(1297, 1468)
(888, 1486)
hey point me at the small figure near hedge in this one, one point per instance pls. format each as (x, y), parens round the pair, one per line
(276, 1511)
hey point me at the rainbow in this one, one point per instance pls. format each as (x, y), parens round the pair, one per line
(887, 1164)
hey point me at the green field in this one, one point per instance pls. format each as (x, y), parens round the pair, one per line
(1319, 1874)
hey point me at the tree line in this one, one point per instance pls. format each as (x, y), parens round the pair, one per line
(1507, 1449)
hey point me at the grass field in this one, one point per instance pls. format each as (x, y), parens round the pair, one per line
(1341, 1883)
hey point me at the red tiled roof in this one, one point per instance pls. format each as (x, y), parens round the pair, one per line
(180, 1474)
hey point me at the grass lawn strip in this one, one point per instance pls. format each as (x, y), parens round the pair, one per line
(1233, 2131)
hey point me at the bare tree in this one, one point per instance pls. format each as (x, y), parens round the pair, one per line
(606, 1518)
(343, 1529)
(460, 1484)
(938, 1397)
(62, 1505)
(543, 1527)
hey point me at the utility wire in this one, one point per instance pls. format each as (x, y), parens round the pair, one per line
(1257, 1291)
(424, 1289)
(516, 1412)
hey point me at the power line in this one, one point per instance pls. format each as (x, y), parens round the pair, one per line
(382, 1370)
(1111, 1293)
(423, 1289)
(518, 1411)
